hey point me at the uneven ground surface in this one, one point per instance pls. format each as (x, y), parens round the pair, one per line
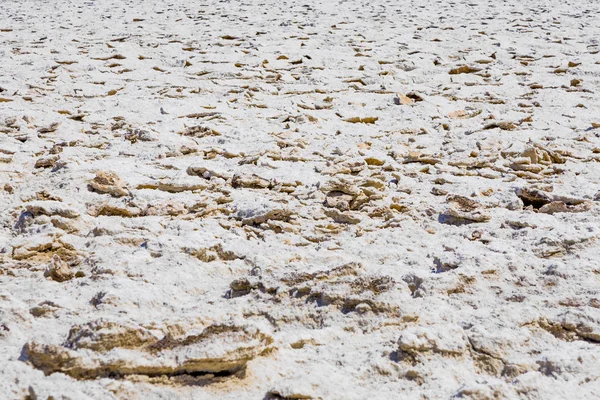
(266, 200)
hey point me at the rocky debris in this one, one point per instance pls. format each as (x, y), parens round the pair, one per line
(50, 128)
(100, 349)
(58, 270)
(115, 209)
(534, 197)
(250, 182)
(362, 120)
(41, 248)
(208, 173)
(47, 161)
(562, 207)
(213, 253)
(503, 125)
(29, 247)
(170, 208)
(108, 182)
(102, 336)
(463, 114)
(344, 195)
(174, 185)
(51, 208)
(464, 69)
(573, 325)
(263, 213)
(555, 245)
(199, 131)
(463, 210)
(535, 161)
(44, 309)
(341, 217)
(339, 200)
(418, 157)
(341, 287)
(133, 135)
(550, 203)
(539, 154)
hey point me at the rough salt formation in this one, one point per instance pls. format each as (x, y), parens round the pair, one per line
(117, 351)
(299, 200)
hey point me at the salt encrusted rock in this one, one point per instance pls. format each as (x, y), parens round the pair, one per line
(562, 207)
(171, 208)
(109, 182)
(463, 210)
(418, 157)
(539, 154)
(44, 309)
(103, 335)
(264, 213)
(50, 128)
(573, 325)
(212, 253)
(343, 186)
(175, 185)
(30, 246)
(550, 203)
(454, 216)
(115, 209)
(59, 270)
(208, 172)
(250, 181)
(47, 161)
(341, 217)
(344, 195)
(199, 131)
(103, 349)
(464, 69)
(51, 208)
(339, 200)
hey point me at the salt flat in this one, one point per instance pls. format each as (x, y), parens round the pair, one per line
(278, 200)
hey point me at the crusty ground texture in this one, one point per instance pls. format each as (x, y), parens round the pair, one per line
(278, 200)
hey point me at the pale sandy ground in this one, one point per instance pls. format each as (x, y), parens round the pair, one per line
(330, 200)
